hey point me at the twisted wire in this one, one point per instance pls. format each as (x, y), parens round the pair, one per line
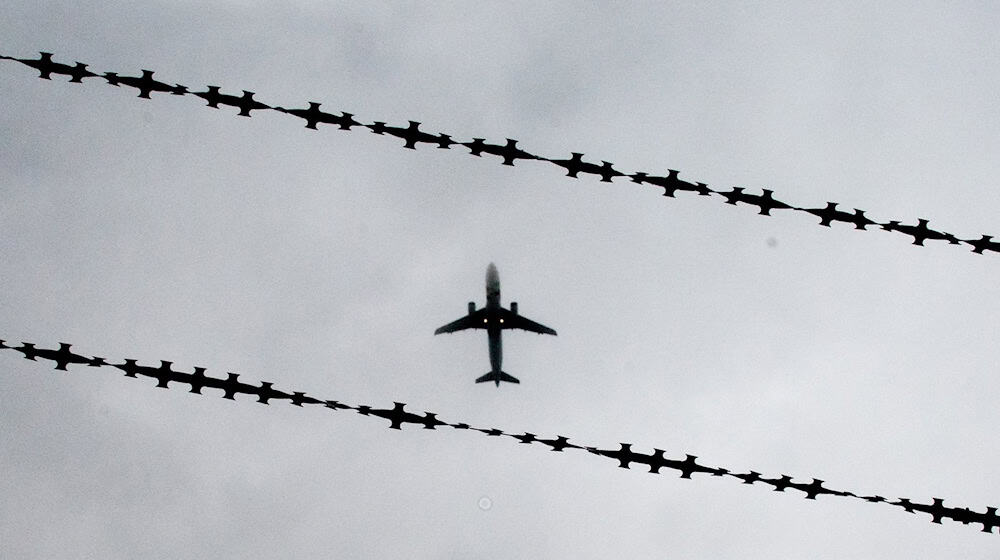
(398, 417)
(509, 152)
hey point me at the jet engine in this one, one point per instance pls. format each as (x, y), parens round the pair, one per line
(472, 307)
(513, 307)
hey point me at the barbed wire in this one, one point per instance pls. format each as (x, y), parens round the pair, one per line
(509, 152)
(398, 417)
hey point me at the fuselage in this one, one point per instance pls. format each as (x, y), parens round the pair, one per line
(493, 320)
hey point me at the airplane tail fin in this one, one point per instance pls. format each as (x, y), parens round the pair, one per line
(497, 378)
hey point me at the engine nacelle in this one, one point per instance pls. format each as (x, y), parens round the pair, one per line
(513, 307)
(472, 307)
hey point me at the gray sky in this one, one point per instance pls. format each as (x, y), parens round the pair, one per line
(323, 260)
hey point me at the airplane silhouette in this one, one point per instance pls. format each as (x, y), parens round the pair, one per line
(494, 318)
(313, 115)
(46, 67)
(412, 135)
(145, 84)
(244, 103)
(509, 152)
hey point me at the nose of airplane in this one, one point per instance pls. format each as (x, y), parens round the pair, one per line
(492, 276)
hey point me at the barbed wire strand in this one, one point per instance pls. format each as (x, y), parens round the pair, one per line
(509, 152)
(398, 417)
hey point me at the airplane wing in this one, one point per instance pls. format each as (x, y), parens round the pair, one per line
(474, 320)
(513, 320)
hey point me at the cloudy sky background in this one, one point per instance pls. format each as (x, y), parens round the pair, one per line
(323, 260)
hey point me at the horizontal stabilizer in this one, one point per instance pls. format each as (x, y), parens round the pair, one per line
(497, 378)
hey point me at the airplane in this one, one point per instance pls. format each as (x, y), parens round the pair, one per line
(494, 318)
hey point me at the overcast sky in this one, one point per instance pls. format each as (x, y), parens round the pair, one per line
(323, 261)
